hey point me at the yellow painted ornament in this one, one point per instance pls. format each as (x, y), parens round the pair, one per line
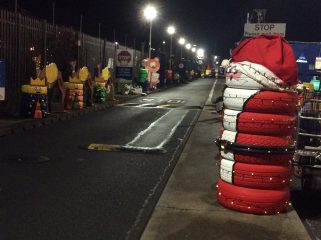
(74, 80)
(51, 73)
(73, 86)
(105, 74)
(34, 89)
(101, 84)
(83, 74)
(37, 82)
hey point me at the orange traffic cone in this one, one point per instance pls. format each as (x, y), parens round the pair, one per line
(38, 112)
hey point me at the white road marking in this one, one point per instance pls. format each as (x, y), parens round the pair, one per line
(209, 100)
(159, 132)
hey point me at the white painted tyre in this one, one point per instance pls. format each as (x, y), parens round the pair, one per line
(258, 158)
(255, 176)
(254, 149)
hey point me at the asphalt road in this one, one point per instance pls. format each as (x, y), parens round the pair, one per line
(72, 193)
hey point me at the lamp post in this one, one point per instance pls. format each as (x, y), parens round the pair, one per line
(181, 41)
(150, 14)
(171, 31)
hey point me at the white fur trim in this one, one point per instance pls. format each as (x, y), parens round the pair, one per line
(249, 75)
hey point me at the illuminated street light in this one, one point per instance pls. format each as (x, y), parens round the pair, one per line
(181, 41)
(150, 14)
(171, 31)
(193, 49)
(188, 46)
(200, 53)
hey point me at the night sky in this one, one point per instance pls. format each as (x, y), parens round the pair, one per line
(213, 25)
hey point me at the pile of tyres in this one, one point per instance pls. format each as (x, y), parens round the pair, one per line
(256, 142)
(74, 95)
(33, 95)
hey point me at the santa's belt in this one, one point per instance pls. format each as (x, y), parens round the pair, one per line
(225, 146)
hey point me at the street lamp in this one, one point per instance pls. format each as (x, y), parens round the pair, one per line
(171, 31)
(188, 46)
(150, 14)
(200, 53)
(193, 49)
(181, 41)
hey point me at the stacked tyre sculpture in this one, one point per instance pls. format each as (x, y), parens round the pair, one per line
(31, 95)
(74, 95)
(100, 89)
(258, 124)
(75, 90)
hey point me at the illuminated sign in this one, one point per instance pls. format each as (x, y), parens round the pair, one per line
(318, 63)
(256, 29)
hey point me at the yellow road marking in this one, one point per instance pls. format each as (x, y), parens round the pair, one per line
(104, 147)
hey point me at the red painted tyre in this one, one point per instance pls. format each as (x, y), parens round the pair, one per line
(255, 176)
(255, 201)
(74, 92)
(258, 123)
(258, 158)
(260, 101)
(251, 143)
(257, 140)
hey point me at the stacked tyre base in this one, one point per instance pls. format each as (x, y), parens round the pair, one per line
(256, 150)
(250, 200)
(74, 96)
(31, 95)
(100, 94)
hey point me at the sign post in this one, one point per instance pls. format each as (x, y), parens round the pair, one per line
(124, 63)
(256, 29)
(2, 80)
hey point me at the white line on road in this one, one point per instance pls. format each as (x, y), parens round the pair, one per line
(159, 132)
(209, 100)
(158, 184)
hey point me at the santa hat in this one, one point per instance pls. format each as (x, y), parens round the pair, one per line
(271, 51)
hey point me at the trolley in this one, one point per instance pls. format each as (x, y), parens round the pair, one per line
(307, 159)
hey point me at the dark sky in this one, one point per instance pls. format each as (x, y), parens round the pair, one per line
(213, 25)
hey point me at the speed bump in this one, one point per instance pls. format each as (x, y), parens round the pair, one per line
(119, 148)
(104, 147)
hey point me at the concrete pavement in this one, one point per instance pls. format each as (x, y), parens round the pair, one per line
(188, 208)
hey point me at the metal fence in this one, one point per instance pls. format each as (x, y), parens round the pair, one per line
(23, 37)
